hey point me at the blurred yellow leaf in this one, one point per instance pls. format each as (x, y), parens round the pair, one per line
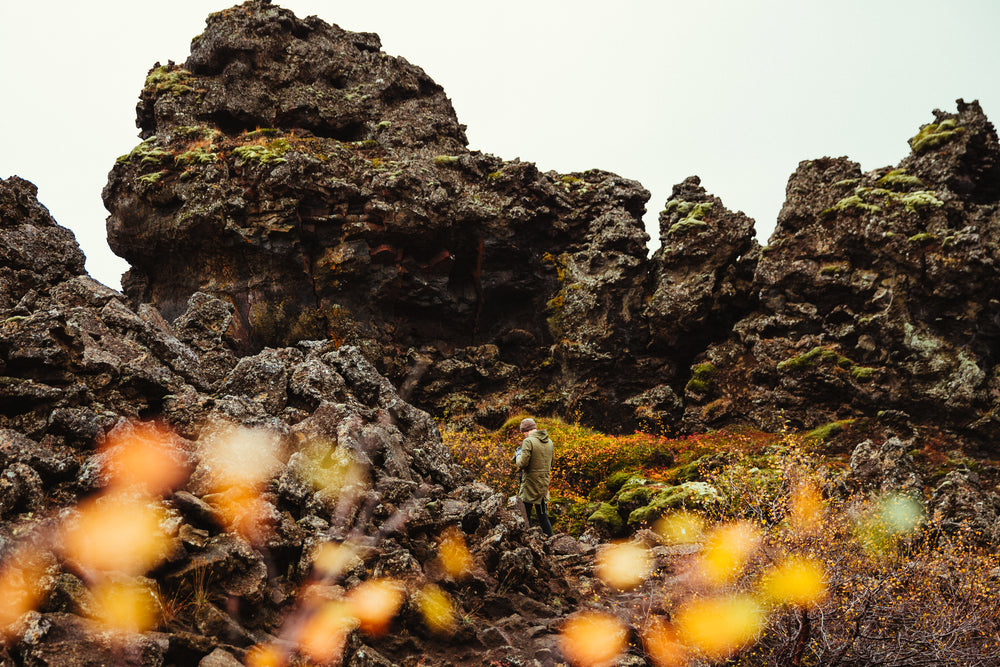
(806, 509)
(798, 581)
(624, 565)
(375, 603)
(437, 609)
(117, 534)
(663, 645)
(592, 639)
(331, 469)
(129, 606)
(718, 627)
(680, 528)
(726, 551)
(453, 554)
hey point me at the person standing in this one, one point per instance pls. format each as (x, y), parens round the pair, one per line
(534, 460)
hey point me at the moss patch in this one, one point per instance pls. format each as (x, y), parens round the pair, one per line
(606, 517)
(148, 153)
(933, 135)
(920, 199)
(170, 79)
(264, 154)
(689, 495)
(812, 358)
(862, 373)
(899, 179)
(701, 378)
(823, 433)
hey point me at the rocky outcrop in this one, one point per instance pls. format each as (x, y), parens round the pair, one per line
(344, 462)
(325, 190)
(874, 293)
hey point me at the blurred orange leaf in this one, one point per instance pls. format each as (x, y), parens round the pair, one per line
(592, 639)
(117, 534)
(145, 455)
(663, 645)
(375, 603)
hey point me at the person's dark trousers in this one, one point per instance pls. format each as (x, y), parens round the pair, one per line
(542, 516)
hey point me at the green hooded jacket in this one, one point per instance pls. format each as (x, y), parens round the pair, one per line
(535, 462)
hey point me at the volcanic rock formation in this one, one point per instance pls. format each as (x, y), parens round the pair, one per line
(348, 465)
(313, 246)
(325, 190)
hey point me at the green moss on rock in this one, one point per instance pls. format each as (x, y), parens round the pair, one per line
(701, 378)
(920, 199)
(606, 518)
(823, 433)
(933, 135)
(812, 358)
(689, 495)
(170, 79)
(148, 153)
(862, 373)
(196, 156)
(899, 179)
(271, 153)
(851, 203)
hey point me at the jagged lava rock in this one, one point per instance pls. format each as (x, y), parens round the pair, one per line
(325, 190)
(79, 368)
(876, 292)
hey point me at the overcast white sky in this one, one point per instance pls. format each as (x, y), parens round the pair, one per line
(737, 92)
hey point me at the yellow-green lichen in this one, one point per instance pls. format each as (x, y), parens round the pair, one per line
(933, 135)
(170, 79)
(847, 182)
(823, 433)
(147, 153)
(692, 213)
(855, 202)
(701, 378)
(265, 154)
(834, 269)
(920, 199)
(152, 178)
(812, 358)
(899, 179)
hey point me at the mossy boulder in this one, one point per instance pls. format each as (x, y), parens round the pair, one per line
(607, 521)
(689, 495)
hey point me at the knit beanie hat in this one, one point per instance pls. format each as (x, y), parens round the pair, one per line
(528, 425)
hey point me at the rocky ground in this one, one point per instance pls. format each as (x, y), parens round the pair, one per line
(317, 258)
